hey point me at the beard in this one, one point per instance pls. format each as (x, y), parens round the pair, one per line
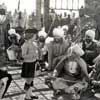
(88, 40)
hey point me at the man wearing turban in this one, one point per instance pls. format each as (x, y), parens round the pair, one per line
(71, 73)
(57, 48)
(89, 47)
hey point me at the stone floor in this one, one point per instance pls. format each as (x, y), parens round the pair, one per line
(16, 92)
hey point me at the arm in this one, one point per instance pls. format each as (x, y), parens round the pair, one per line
(50, 56)
(89, 51)
(83, 66)
(93, 49)
(58, 68)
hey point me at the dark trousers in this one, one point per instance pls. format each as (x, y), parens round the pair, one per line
(8, 83)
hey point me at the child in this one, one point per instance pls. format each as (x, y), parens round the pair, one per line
(30, 55)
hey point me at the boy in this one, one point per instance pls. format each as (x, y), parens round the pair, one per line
(30, 55)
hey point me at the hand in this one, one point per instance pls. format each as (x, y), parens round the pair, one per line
(54, 73)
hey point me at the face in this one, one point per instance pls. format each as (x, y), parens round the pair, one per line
(88, 39)
(13, 39)
(27, 36)
(41, 39)
(57, 39)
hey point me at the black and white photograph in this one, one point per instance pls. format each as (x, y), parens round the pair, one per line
(49, 49)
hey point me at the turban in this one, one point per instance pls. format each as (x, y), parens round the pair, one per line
(91, 34)
(77, 50)
(42, 33)
(58, 32)
(13, 32)
(48, 40)
(65, 27)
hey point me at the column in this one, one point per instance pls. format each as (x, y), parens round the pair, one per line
(38, 14)
(46, 15)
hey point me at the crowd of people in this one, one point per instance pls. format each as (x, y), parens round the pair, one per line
(72, 65)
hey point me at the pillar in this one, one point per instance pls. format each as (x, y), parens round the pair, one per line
(46, 15)
(38, 14)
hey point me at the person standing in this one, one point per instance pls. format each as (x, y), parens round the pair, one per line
(30, 55)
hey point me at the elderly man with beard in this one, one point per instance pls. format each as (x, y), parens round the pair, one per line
(57, 48)
(90, 48)
(42, 50)
(71, 73)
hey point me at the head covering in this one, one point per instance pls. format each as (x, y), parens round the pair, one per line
(12, 32)
(76, 49)
(58, 32)
(48, 40)
(91, 34)
(42, 33)
(65, 27)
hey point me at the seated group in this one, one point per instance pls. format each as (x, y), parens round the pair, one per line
(73, 67)
(76, 68)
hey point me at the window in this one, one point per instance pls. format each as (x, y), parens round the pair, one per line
(66, 4)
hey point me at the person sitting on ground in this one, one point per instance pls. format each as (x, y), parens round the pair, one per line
(89, 47)
(95, 77)
(71, 74)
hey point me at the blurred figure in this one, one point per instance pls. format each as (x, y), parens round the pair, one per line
(30, 55)
(43, 54)
(57, 48)
(89, 47)
(68, 20)
(71, 73)
(14, 49)
(65, 29)
(5, 81)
